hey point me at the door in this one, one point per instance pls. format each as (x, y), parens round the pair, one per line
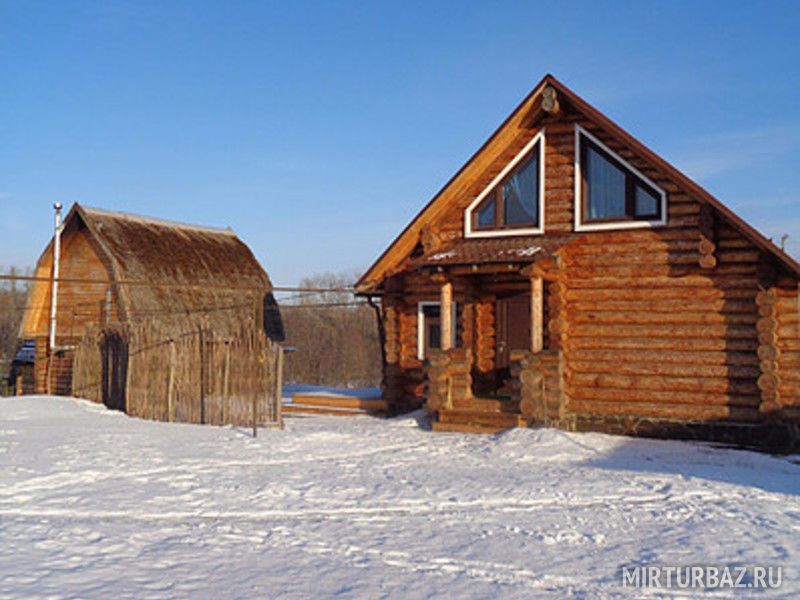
(513, 327)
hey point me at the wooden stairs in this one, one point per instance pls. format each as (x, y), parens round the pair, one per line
(333, 404)
(480, 415)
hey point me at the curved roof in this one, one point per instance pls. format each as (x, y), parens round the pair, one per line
(177, 272)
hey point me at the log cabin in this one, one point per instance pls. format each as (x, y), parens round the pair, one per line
(118, 268)
(568, 276)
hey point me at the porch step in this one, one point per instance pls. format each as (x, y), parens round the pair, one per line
(462, 428)
(498, 419)
(486, 405)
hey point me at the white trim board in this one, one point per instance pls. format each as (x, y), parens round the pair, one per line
(579, 226)
(468, 233)
(421, 325)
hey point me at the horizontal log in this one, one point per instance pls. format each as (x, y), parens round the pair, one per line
(660, 294)
(642, 317)
(747, 359)
(663, 369)
(687, 244)
(789, 391)
(786, 304)
(656, 382)
(666, 331)
(705, 280)
(686, 208)
(632, 258)
(554, 218)
(638, 236)
(787, 344)
(689, 304)
(735, 243)
(665, 397)
(648, 343)
(788, 361)
(664, 411)
(654, 270)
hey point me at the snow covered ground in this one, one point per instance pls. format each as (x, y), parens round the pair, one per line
(94, 504)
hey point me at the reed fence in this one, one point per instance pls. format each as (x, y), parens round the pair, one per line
(193, 377)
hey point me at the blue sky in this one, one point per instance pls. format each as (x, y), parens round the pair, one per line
(318, 130)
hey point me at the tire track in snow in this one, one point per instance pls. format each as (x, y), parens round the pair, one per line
(484, 571)
(405, 508)
(60, 479)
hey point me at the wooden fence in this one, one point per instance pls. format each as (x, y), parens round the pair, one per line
(194, 377)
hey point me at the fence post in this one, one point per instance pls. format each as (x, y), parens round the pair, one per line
(202, 379)
(171, 382)
(279, 388)
(226, 373)
(257, 322)
(254, 384)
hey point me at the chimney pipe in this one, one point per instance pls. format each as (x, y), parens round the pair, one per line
(54, 281)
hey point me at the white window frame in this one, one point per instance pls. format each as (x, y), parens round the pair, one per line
(484, 233)
(421, 325)
(627, 224)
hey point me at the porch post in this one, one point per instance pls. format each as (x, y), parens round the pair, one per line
(537, 309)
(446, 316)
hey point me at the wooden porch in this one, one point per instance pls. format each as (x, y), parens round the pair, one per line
(504, 373)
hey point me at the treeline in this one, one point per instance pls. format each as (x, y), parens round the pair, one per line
(12, 308)
(334, 334)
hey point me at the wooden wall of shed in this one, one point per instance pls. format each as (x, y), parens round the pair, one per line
(79, 304)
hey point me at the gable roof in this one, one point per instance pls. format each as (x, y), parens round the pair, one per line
(529, 108)
(192, 272)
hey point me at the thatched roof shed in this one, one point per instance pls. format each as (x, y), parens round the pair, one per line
(179, 274)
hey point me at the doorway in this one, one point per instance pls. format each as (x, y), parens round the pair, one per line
(513, 327)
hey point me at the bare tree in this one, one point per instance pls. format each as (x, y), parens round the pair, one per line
(12, 309)
(334, 334)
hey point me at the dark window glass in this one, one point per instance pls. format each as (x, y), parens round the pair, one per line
(611, 192)
(521, 195)
(647, 203)
(515, 202)
(434, 335)
(606, 187)
(486, 214)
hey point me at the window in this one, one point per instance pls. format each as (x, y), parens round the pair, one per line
(512, 204)
(429, 327)
(612, 193)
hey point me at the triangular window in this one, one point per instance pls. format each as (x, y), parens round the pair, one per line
(512, 203)
(612, 193)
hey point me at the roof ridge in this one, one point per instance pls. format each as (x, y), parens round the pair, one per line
(115, 214)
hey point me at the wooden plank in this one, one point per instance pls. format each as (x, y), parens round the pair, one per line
(322, 410)
(340, 401)
(669, 411)
(504, 420)
(464, 428)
